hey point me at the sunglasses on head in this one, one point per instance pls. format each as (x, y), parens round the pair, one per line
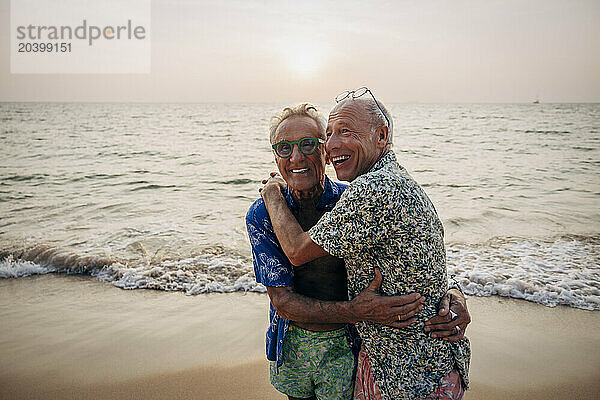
(306, 145)
(355, 94)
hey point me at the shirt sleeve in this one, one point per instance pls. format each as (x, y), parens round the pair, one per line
(358, 221)
(271, 266)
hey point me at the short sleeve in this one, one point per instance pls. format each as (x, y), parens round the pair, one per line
(271, 266)
(357, 222)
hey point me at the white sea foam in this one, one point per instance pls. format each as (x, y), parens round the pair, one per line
(206, 273)
(558, 271)
(11, 268)
(561, 271)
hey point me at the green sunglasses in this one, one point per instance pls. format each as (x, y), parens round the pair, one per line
(306, 145)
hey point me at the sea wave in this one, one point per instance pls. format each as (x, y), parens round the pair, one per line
(555, 271)
(213, 271)
(206, 273)
(563, 270)
(11, 268)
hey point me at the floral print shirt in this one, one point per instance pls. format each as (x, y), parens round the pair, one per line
(271, 266)
(385, 219)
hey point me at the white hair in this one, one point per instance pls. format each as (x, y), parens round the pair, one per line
(377, 116)
(304, 109)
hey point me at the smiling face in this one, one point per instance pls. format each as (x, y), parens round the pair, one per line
(303, 173)
(353, 146)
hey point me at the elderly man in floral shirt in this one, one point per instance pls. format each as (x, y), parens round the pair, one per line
(382, 219)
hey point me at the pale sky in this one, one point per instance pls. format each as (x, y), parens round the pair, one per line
(291, 51)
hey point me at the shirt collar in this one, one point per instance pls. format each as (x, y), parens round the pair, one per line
(387, 158)
(331, 193)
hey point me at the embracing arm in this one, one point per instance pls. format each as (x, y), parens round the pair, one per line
(272, 269)
(369, 305)
(296, 244)
(452, 319)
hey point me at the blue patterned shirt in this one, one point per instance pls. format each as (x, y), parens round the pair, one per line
(271, 266)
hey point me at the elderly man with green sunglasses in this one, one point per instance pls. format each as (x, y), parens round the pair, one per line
(310, 336)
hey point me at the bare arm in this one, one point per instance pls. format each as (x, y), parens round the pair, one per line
(296, 244)
(395, 311)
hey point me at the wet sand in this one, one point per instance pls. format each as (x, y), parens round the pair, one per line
(68, 337)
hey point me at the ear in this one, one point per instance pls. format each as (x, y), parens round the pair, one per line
(382, 136)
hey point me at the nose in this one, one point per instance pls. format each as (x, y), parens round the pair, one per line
(296, 154)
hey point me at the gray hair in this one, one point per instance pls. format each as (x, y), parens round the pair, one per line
(377, 118)
(305, 110)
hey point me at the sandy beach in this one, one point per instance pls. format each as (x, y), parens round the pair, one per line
(68, 337)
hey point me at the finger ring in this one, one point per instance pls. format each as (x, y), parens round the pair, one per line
(399, 319)
(453, 314)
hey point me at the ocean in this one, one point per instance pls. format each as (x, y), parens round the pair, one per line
(153, 196)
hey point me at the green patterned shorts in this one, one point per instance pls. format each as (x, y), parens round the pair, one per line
(317, 364)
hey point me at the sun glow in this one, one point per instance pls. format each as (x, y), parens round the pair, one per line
(304, 58)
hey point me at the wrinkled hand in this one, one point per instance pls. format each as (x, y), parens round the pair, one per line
(444, 325)
(395, 311)
(274, 183)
